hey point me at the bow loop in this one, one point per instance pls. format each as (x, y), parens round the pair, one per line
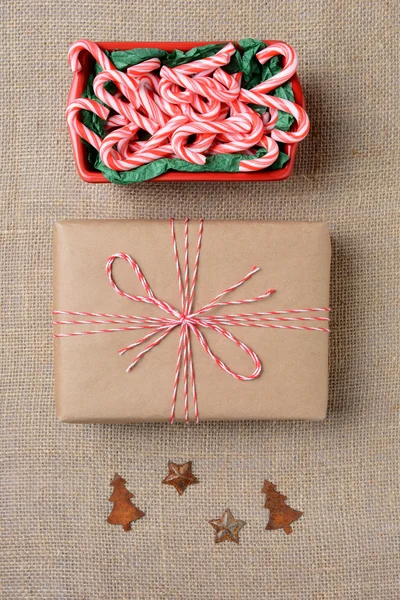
(229, 336)
(150, 298)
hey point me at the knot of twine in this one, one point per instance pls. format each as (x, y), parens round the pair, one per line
(188, 321)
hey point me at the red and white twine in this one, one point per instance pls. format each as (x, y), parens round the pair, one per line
(189, 321)
(198, 98)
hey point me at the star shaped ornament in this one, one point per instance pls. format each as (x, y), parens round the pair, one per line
(227, 527)
(180, 476)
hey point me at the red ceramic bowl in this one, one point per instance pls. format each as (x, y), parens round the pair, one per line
(89, 174)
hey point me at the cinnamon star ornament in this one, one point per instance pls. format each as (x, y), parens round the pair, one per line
(227, 527)
(180, 476)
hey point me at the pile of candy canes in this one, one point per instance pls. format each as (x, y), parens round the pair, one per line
(195, 99)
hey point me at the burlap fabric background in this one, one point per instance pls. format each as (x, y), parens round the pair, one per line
(342, 473)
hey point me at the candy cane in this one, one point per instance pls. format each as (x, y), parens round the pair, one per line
(126, 110)
(256, 164)
(243, 141)
(105, 63)
(303, 123)
(237, 106)
(114, 161)
(221, 58)
(93, 49)
(116, 121)
(152, 84)
(270, 119)
(200, 110)
(122, 81)
(122, 137)
(153, 147)
(204, 86)
(73, 112)
(172, 93)
(152, 64)
(179, 138)
(171, 109)
(151, 107)
(126, 147)
(277, 49)
(165, 132)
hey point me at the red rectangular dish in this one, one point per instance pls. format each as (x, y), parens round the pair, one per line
(90, 175)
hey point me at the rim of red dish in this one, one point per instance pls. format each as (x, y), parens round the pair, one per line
(90, 175)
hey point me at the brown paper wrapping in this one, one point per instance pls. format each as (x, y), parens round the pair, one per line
(91, 382)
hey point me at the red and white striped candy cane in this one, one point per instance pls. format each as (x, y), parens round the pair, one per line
(179, 138)
(256, 164)
(206, 111)
(75, 124)
(303, 123)
(243, 141)
(143, 157)
(173, 94)
(165, 132)
(152, 80)
(135, 150)
(237, 106)
(200, 110)
(204, 86)
(127, 142)
(221, 58)
(277, 49)
(116, 121)
(115, 161)
(154, 112)
(93, 49)
(129, 146)
(228, 80)
(121, 138)
(128, 150)
(172, 109)
(123, 108)
(147, 66)
(152, 85)
(270, 119)
(127, 85)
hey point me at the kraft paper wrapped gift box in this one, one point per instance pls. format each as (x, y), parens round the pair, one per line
(92, 384)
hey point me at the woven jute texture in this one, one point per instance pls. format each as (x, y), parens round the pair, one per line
(342, 473)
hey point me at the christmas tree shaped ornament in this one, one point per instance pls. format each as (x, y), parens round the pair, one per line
(180, 476)
(281, 515)
(124, 512)
(227, 528)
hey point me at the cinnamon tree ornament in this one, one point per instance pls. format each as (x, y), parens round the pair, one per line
(180, 476)
(124, 512)
(227, 528)
(281, 515)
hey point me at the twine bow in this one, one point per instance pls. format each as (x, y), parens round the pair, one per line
(188, 321)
